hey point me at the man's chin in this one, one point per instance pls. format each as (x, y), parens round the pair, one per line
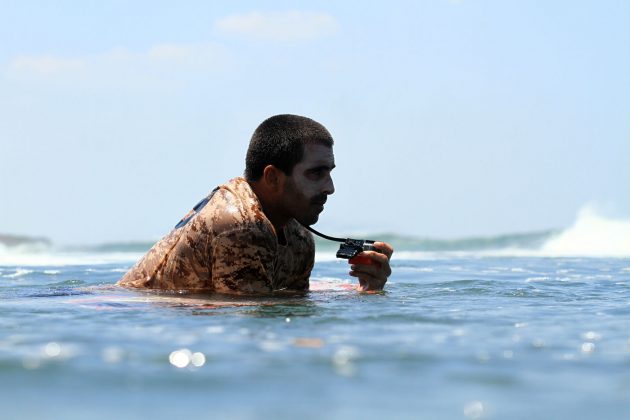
(308, 220)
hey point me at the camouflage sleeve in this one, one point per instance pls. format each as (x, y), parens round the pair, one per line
(303, 249)
(242, 262)
(302, 281)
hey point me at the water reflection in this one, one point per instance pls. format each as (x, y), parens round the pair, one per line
(184, 357)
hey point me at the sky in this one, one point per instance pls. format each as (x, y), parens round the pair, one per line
(450, 118)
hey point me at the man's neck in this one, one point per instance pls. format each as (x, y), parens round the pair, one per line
(270, 207)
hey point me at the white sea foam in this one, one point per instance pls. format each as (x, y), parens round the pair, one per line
(591, 235)
(18, 273)
(12, 258)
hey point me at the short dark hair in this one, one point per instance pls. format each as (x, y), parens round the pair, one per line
(279, 141)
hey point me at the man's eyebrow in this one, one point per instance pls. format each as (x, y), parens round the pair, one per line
(317, 168)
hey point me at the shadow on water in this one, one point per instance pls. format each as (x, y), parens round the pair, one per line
(302, 308)
(112, 297)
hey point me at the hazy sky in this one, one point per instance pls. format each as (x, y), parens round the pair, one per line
(451, 118)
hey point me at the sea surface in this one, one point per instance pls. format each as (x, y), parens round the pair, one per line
(455, 335)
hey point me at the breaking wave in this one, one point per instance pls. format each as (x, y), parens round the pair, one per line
(591, 235)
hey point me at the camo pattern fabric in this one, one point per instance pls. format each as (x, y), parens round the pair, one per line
(228, 246)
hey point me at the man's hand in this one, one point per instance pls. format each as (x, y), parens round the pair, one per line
(373, 276)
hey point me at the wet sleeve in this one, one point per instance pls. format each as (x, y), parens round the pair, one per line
(302, 280)
(303, 249)
(242, 262)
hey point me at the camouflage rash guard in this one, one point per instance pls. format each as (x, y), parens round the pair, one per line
(228, 246)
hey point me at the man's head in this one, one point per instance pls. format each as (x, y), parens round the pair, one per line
(280, 141)
(289, 161)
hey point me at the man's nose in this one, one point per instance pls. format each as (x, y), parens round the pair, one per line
(330, 186)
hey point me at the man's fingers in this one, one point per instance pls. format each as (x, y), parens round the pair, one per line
(374, 276)
(384, 248)
(372, 270)
(375, 256)
(364, 279)
(382, 266)
(368, 281)
(364, 276)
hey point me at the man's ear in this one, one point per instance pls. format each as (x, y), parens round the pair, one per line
(273, 178)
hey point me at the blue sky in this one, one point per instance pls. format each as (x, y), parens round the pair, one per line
(451, 118)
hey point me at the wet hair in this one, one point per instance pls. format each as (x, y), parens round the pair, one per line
(279, 141)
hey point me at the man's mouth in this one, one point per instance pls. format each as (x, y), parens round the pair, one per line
(319, 204)
(320, 201)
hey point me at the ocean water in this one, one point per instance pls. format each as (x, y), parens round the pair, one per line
(523, 326)
(452, 336)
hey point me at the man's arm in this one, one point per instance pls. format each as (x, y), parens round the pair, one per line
(374, 276)
(242, 262)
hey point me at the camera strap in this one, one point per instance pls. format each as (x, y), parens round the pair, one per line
(332, 238)
(321, 235)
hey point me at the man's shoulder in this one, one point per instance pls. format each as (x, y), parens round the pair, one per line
(237, 192)
(234, 206)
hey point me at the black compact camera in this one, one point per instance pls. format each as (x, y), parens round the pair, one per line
(350, 248)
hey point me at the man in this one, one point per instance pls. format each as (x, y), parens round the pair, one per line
(248, 235)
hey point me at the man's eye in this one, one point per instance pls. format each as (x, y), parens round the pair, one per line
(318, 173)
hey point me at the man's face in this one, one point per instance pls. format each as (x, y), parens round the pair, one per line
(308, 187)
